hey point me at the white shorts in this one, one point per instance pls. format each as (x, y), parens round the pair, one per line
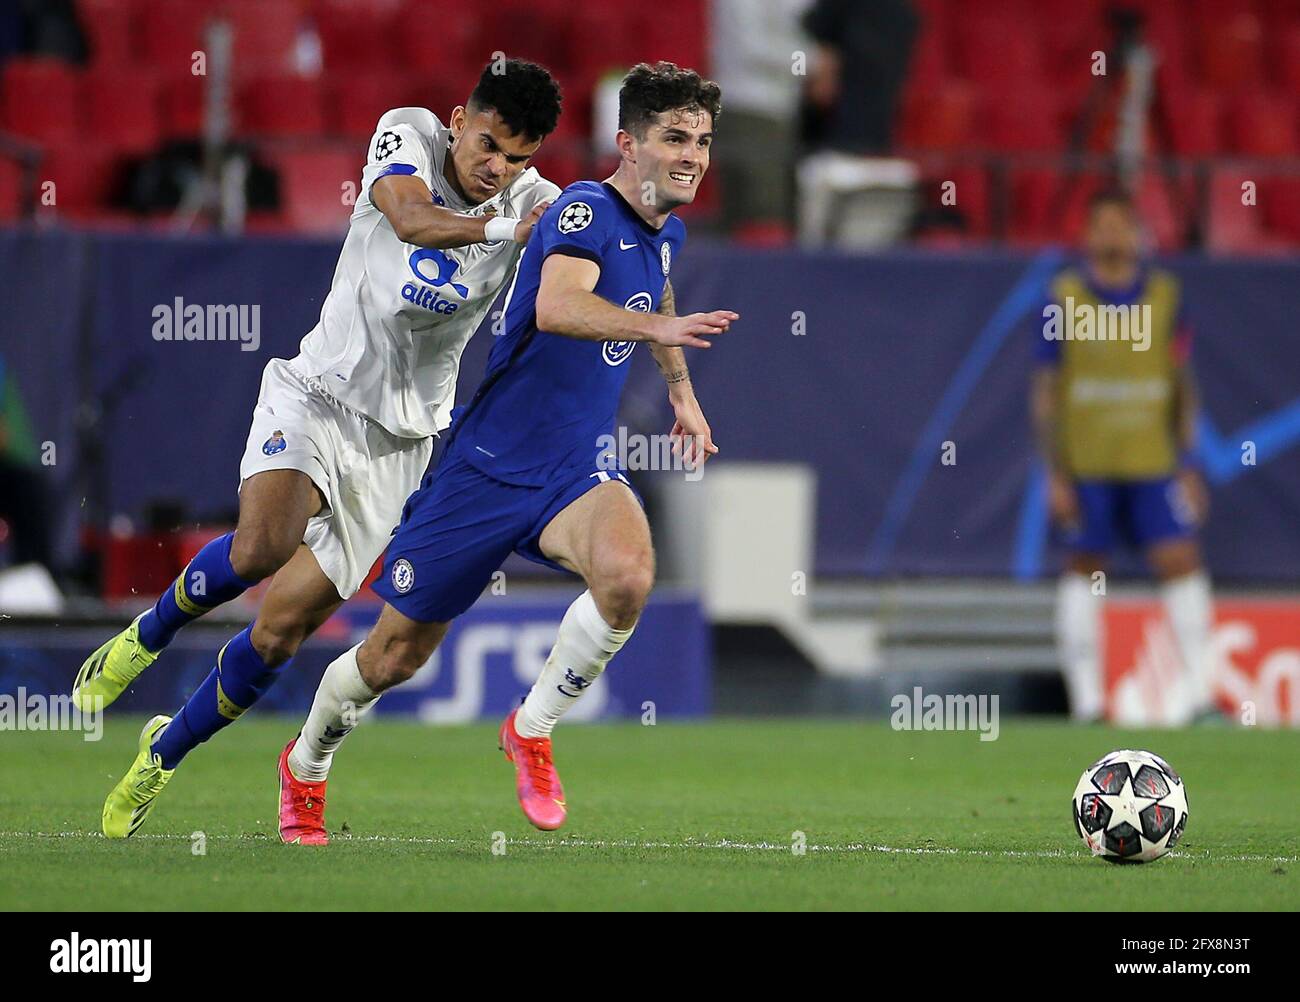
(364, 473)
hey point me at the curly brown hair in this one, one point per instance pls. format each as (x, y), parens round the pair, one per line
(647, 90)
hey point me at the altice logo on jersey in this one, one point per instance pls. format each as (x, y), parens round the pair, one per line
(421, 262)
(179, 321)
(659, 453)
(75, 955)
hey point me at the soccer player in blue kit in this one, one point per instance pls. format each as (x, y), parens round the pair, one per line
(522, 469)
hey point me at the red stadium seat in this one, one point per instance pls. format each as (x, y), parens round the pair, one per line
(266, 34)
(436, 92)
(1287, 59)
(971, 198)
(1159, 208)
(182, 103)
(620, 28)
(1233, 226)
(1035, 216)
(1166, 31)
(1024, 121)
(1263, 123)
(930, 66)
(354, 105)
(456, 57)
(562, 165)
(312, 187)
(1231, 47)
(1002, 50)
(110, 27)
(11, 190)
(677, 30)
(123, 108)
(281, 106)
(170, 34)
(41, 99)
(84, 175)
(1195, 119)
(1074, 214)
(360, 35)
(1279, 197)
(541, 30)
(944, 119)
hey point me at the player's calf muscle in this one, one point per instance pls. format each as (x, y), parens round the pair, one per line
(396, 648)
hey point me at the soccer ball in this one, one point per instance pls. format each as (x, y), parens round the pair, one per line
(1130, 807)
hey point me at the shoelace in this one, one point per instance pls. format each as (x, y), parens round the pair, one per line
(153, 781)
(539, 767)
(309, 802)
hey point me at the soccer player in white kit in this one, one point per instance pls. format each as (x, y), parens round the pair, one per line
(342, 433)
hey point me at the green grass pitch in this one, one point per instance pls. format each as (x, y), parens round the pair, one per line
(675, 816)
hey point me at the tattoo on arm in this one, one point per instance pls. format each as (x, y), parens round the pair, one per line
(671, 361)
(672, 375)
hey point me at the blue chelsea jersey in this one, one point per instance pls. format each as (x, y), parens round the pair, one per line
(546, 399)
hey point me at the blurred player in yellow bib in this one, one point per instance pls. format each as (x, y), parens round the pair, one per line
(1114, 406)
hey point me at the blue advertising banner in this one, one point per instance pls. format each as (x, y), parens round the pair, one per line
(487, 663)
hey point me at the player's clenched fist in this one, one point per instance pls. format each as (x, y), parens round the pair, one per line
(524, 229)
(689, 331)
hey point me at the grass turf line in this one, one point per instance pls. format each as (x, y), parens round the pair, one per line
(676, 816)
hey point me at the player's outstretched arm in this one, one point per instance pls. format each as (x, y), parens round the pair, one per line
(408, 205)
(567, 305)
(691, 435)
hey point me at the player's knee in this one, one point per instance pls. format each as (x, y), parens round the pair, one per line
(392, 662)
(258, 553)
(1175, 560)
(622, 587)
(277, 639)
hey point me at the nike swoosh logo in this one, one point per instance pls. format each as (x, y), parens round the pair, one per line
(623, 246)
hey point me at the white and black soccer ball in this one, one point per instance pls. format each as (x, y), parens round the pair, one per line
(1130, 807)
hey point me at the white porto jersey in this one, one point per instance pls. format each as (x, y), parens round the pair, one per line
(398, 316)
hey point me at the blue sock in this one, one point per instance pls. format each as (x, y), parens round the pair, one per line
(207, 582)
(239, 680)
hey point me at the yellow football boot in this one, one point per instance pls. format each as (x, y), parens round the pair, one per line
(107, 672)
(132, 799)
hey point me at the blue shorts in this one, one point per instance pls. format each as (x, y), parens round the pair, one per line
(460, 526)
(1138, 512)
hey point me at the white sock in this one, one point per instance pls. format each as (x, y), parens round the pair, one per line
(341, 698)
(1189, 605)
(1078, 630)
(582, 649)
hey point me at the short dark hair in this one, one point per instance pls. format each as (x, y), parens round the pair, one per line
(1112, 194)
(524, 94)
(647, 90)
